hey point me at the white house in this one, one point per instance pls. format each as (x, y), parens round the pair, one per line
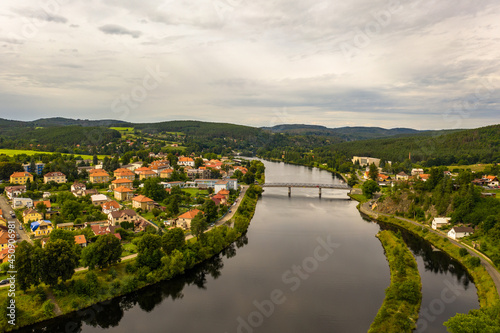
(459, 232)
(221, 185)
(98, 199)
(415, 172)
(439, 222)
(402, 176)
(21, 203)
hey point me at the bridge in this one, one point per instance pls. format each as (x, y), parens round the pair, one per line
(308, 185)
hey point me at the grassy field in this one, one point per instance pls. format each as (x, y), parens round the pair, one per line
(12, 152)
(473, 167)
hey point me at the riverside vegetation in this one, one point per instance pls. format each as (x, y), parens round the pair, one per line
(159, 258)
(399, 312)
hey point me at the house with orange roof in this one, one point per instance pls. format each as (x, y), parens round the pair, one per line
(4, 240)
(160, 165)
(123, 193)
(125, 182)
(491, 181)
(21, 177)
(81, 240)
(219, 199)
(141, 169)
(123, 173)
(185, 161)
(147, 174)
(99, 176)
(4, 255)
(166, 173)
(185, 219)
(424, 176)
(110, 206)
(142, 202)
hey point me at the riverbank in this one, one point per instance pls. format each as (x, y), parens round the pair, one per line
(399, 312)
(485, 276)
(87, 288)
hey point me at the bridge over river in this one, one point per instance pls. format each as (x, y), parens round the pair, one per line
(308, 185)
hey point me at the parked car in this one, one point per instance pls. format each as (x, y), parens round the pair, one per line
(4, 282)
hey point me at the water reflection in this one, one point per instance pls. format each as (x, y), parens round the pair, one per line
(109, 314)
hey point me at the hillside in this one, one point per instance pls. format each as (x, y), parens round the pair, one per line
(342, 133)
(437, 148)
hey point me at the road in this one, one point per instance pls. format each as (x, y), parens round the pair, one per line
(6, 209)
(495, 275)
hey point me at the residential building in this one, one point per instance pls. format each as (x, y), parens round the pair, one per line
(41, 228)
(219, 199)
(173, 184)
(125, 182)
(99, 176)
(185, 219)
(147, 174)
(206, 182)
(4, 240)
(38, 168)
(166, 173)
(415, 172)
(402, 176)
(424, 176)
(110, 206)
(21, 177)
(18, 203)
(366, 160)
(141, 169)
(65, 226)
(31, 215)
(15, 191)
(104, 230)
(159, 166)
(221, 185)
(4, 254)
(438, 222)
(78, 189)
(98, 199)
(47, 203)
(198, 173)
(491, 181)
(123, 193)
(57, 177)
(142, 202)
(80, 240)
(123, 173)
(125, 215)
(459, 232)
(185, 161)
(225, 193)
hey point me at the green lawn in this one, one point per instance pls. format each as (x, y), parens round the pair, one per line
(123, 129)
(195, 192)
(128, 249)
(12, 152)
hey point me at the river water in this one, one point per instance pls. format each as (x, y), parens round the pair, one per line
(307, 264)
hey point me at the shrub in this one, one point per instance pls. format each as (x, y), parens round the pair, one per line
(463, 252)
(48, 308)
(409, 291)
(474, 261)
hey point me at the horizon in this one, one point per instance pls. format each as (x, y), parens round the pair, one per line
(295, 124)
(365, 63)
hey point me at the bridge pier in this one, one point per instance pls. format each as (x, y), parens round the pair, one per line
(289, 191)
(320, 192)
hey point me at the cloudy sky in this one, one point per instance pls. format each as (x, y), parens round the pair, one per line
(424, 64)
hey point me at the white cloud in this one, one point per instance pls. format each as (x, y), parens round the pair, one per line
(418, 63)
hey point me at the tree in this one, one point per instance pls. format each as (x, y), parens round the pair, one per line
(42, 208)
(373, 172)
(62, 234)
(199, 225)
(149, 251)
(369, 188)
(95, 160)
(210, 209)
(28, 265)
(107, 250)
(198, 162)
(173, 239)
(59, 262)
(154, 190)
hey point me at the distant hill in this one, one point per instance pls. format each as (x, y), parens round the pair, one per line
(343, 133)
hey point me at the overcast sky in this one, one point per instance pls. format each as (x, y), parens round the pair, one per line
(424, 64)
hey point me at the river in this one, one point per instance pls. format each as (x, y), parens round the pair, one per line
(307, 264)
